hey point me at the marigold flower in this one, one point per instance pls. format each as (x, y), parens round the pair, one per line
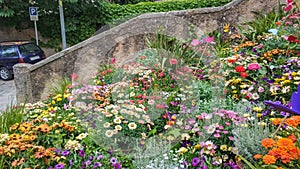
(277, 152)
(286, 158)
(257, 156)
(285, 143)
(268, 142)
(268, 159)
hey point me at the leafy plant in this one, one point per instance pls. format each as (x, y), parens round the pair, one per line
(10, 116)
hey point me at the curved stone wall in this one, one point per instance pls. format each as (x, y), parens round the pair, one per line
(33, 81)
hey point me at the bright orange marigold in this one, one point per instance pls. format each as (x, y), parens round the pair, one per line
(292, 137)
(268, 159)
(285, 143)
(277, 152)
(276, 121)
(257, 156)
(286, 158)
(268, 142)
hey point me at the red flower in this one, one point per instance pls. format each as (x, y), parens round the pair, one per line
(244, 74)
(292, 38)
(231, 60)
(240, 69)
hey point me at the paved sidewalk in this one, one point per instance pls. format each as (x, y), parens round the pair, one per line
(7, 94)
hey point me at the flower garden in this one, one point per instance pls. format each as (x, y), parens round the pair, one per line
(178, 105)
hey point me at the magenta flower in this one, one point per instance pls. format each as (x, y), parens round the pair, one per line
(195, 161)
(253, 66)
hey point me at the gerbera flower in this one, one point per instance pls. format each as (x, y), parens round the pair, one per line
(39, 154)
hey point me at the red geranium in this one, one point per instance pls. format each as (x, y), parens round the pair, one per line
(292, 38)
(240, 68)
(244, 74)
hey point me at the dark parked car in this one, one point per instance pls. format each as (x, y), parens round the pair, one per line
(15, 52)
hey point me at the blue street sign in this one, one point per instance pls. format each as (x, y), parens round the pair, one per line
(33, 11)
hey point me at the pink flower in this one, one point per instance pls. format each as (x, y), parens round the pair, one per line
(225, 132)
(113, 61)
(74, 76)
(253, 66)
(195, 42)
(161, 74)
(289, 5)
(231, 138)
(217, 135)
(208, 39)
(173, 61)
(227, 123)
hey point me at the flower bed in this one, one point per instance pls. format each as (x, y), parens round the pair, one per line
(171, 108)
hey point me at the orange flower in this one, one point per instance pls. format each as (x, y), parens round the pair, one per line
(276, 121)
(268, 142)
(45, 128)
(286, 158)
(39, 154)
(295, 153)
(257, 156)
(292, 121)
(268, 159)
(279, 168)
(285, 143)
(277, 152)
(292, 137)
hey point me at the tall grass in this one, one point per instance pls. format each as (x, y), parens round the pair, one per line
(13, 114)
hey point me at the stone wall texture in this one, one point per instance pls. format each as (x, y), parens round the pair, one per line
(124, 40)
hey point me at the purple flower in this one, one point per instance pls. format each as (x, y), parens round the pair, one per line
(65, 153)
(57, 151)
(87, 163)
(59, 166)
(91, 158)
(100, 157)
(113, 160)
(71, 162)
(81, 153)
(195, 161)
(97, 164)
(117, 166)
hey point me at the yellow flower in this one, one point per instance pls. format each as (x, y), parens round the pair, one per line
(197, 146)
(223, 147)
(259, 115)
(257, 109)
(59, 99)
(182, 150)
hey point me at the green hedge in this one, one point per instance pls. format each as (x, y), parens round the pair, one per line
(111, 12)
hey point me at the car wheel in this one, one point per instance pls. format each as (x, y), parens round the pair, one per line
(5, 74)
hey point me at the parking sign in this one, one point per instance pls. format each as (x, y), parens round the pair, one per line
(33, 14)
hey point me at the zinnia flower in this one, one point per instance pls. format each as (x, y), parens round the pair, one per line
(268, 142)
(268, 159)
(285, 143)
(253, 66)
(240, 68)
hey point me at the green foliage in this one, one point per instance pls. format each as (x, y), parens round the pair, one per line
(9, 117)
(261, 24)
(84, 17)
(61, 86)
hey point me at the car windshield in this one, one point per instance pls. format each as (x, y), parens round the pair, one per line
(28, 48)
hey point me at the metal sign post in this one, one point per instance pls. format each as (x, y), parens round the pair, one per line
(62, 24)
(34, 17)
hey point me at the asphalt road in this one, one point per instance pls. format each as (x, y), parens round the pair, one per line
(7, 94)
